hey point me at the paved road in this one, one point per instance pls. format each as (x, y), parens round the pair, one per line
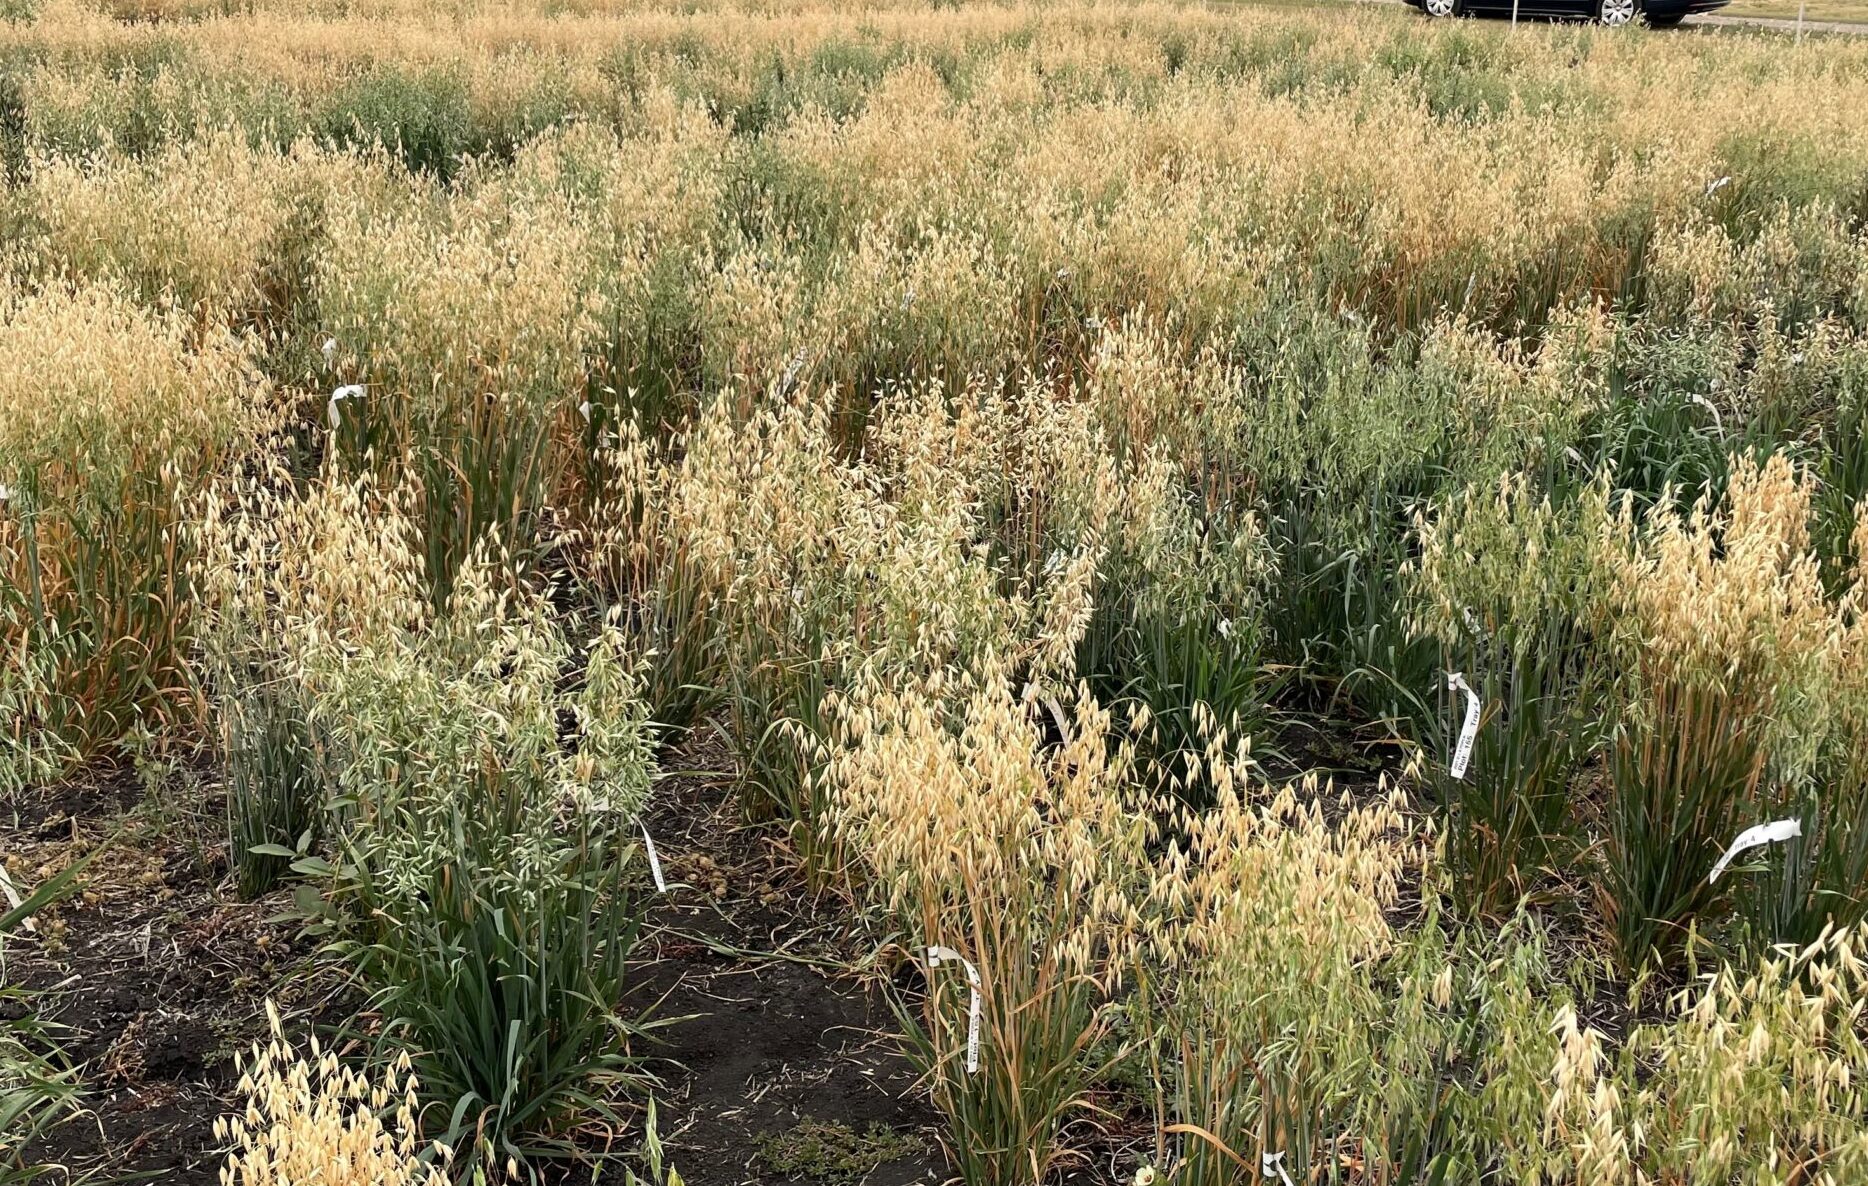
(1753, 22)
(1765, 22)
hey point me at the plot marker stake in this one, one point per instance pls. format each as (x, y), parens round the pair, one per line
(1753, 837)
(655, 859)
(1462, 753)
(940, 955)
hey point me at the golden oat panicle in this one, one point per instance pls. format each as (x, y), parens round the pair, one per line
(311, 1121)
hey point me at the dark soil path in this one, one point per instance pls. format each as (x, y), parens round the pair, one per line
(153, 974)
(776, 1050)
(781, 1036)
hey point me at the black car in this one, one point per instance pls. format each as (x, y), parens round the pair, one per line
(1661, 14)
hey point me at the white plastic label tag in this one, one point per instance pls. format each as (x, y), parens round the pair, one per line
(794, 367)
(1770, 833)
(655, 859)
(1057, 718)
(13, 900)
(940, 955)
(348, 391)
(1267, 1162)
(1462, 752)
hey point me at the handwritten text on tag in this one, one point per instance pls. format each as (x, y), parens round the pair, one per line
(1462, 753)
(1770, 833)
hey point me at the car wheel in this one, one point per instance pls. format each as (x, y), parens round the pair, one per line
(1440, 8)
(1615, 13)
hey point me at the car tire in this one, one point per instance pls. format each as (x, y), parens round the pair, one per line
(1667, 20)
(1441, 9)
(1614, 14)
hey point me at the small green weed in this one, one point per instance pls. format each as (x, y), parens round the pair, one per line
(832, 1152)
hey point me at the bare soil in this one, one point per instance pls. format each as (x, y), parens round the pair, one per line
(158, 976)
(779, 998)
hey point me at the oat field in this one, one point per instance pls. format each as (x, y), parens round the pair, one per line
(610, 591)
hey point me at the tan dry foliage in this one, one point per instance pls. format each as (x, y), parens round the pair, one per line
(318, 1123)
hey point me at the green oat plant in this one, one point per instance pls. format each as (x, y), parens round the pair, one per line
(639, 554)
(481, 765)
(1176, 630)
(1507, 818)
(1458, 1084)
(1721, 630)
(253, 572)
(486, 888)
(1027, 871)
(657, 1168)
(36, 1091)
(275, 790)
(111, 414)
(504, 968)
(1264, 992)
(1817, 881)
(1506, 581)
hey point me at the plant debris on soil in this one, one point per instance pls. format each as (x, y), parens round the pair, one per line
(775, 1029)
(151, 973)
(156, 977)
